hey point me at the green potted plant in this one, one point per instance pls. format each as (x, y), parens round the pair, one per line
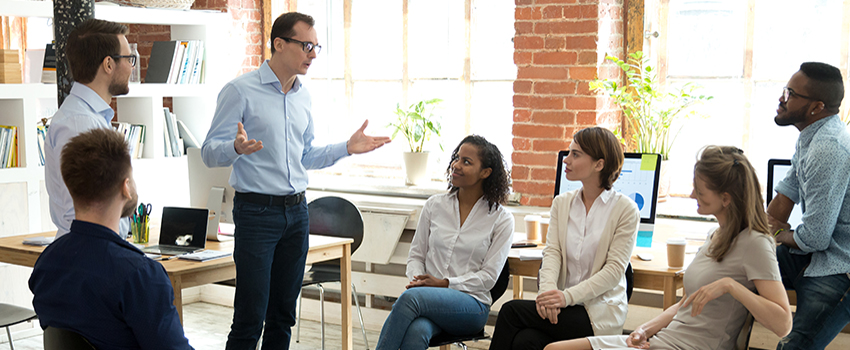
(650, 110)
(417, 124)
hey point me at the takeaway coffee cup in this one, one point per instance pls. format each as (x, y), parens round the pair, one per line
(676, 252)
(532, 227)
(544, 229)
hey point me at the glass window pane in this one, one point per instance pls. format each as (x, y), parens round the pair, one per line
(451, 111)
(706, 38)
(375, 101)
(376, 43)
(330, 124)
(492, 43)
(722, 125)
(329, 29)
(436, 43)
(788, 33)
(492, 114)
(768, 140)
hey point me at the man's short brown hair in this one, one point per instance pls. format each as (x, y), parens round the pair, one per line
(600, 143)
(94, 165)
(284, 24)
(89, 43)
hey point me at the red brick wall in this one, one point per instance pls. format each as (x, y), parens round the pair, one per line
(559, 47)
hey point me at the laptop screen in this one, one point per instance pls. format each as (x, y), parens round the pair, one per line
(638, 179)
(777, 169)
(184, 227)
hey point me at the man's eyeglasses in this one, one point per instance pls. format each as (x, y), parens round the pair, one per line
(788, 93)
(130, 58)
(305, 46)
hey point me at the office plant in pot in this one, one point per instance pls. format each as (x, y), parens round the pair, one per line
(417, 124)
(653, 113)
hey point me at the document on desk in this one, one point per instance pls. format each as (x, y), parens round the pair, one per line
(204, 255)
(531, 254)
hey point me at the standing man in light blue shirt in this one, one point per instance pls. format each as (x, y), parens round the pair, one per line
(100, 61)
(270, 177)
(814, 258)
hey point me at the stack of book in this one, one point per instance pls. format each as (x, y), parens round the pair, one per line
(10, 67)
(8, 147)
(176, 135)
(42, 133)
(134, 134)
(176, 62)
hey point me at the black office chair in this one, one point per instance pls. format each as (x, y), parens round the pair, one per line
(337, 217)
(11, 315)
(63, 339)
(444, 340)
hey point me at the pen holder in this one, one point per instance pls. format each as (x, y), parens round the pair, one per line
(141, 231)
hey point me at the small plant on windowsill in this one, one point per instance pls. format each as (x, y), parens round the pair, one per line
(417, 124)
(650, 110)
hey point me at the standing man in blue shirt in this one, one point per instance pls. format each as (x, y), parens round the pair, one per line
(814, 258)
(270, 177)
(91, 281)
(101, 62)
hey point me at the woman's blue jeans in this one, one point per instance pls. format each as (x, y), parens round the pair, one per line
(271, 244)
(423, 312)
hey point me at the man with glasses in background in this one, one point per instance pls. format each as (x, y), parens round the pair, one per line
(263, 127)
(100, 60)
(814, 257)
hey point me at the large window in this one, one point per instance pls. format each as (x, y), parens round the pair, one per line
(743, 58)
(401, 52)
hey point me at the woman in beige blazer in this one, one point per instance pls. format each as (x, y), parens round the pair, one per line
(591, 235)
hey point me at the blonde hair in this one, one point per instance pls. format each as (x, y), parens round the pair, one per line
(725, 169)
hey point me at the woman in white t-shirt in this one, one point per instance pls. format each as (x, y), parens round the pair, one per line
(458, 251)
(736, 262)
(592, 231)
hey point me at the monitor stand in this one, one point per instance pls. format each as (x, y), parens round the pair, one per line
(644, 236)
(214, 204)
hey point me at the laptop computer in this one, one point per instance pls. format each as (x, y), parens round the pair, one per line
(639, 179)
(183, 230)
(777, 169)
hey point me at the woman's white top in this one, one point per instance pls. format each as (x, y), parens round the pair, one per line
(471, 256)
(587, 229)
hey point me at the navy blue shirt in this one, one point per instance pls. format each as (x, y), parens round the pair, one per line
(94, 283)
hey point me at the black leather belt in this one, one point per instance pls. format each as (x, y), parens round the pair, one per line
(264, 199)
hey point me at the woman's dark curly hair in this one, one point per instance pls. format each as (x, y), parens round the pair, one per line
(497, 185)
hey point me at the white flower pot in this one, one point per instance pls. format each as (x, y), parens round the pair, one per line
(415, 167)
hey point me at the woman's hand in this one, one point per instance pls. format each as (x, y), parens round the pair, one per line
(552, 299)
(427, 280)
(638, 339)
(708, 293)
(547, 313)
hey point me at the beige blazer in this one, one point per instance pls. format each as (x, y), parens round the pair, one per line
(604, 293)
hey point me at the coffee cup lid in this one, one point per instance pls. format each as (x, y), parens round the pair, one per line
(544, 221)
(532, 218)
(676, 241)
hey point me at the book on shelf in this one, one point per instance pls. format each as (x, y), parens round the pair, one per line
(8, 146)
(175, 62)
(42, 133)
(48, 68)
(189, 139)
(134, 134)
(173, 143)
(10, 67)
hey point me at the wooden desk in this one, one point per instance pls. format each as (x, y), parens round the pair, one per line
(186, 274)
(654, 274)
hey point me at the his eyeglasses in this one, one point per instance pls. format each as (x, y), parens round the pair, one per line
(130, 58)
(305, 46)
(789, 92)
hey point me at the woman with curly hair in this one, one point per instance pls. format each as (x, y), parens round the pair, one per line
(582, 277)
(459, 249)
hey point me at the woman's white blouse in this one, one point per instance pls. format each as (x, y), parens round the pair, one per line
(469, 256)
(586, 229)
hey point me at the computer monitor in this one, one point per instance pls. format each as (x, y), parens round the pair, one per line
(776, 171)
(639, 179)
(210, 188)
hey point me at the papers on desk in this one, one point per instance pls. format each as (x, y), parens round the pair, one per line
(204, 255)
(40, 241)
(531, 254)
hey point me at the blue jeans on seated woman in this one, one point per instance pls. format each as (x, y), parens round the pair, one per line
(420, 313)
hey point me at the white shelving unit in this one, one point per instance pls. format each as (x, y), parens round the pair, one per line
(160, 180)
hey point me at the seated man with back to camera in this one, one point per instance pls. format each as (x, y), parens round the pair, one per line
(91, 281)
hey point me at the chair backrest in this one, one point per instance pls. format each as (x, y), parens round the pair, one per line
(743, 341)
(337, 217)
(63, 339)
(501, 283)
(630, 281)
